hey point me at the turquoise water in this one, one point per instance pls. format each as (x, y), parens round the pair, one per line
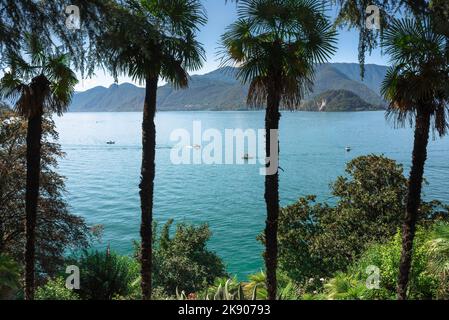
(102, 180)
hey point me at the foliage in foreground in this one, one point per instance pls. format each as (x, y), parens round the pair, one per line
(55, 289)
(438, 251)
(106, 275)
(371, 194)
(58, 231)
(183, 260)
(359, 282)
(9, 277)
(318, 239)
(103, 276)
(253, 289)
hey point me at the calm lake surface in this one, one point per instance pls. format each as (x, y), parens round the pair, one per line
(102, 179)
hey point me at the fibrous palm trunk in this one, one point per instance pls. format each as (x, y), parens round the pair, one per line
(272, 118)
(421, 139)
(147, 184)
(33, 157)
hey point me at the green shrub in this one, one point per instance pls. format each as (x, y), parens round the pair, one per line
(183, 261)
(287, 288)
(313, 296)
(9, 277)
(386, 257)
(438, 252)
(55, 289)
(318, 239)
(344, 287)
(257, 280)
(352, 284)
(106, 276)
(223, 289)
(230, 287)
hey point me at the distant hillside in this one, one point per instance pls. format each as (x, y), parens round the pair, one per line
(219, 90)
(124, 97)
(328, 77)
(338, 100)
(374, 74)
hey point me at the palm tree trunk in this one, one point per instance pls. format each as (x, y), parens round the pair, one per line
(272, 118)
(147, 184)
(33, 156)
(422, 129)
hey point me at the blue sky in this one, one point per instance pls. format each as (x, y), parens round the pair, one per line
(220, 15)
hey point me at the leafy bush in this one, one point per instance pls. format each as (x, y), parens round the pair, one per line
(224, 286)
(223, 289)
(9, 277)
(352, 284)
(438, 252)
(318, 239)
(344, 287)
(257, 280)
(55, 290)
(183, 261)
(387, 256)
(287, 288)
(105, 276)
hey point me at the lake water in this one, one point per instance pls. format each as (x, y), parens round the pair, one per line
(102, 180)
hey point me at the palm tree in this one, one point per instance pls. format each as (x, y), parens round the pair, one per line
(46, 19)
(417, 87)
(42, 83)
(438, 247)
(276, 44)
(151, 40)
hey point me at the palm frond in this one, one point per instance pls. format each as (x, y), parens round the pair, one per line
(278, 43)
(38, 80)
(35, 50)
(438, 248)
(419, 78)
(11, 87)
(155, 38)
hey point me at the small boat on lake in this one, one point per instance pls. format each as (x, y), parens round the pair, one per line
(195, 146)
(348, 149)
(110, 142)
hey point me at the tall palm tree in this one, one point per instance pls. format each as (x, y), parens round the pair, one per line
(40, 83)
(417, 87)
(276, 44)
(151, 40)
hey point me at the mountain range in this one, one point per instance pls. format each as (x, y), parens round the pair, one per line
(220, 90)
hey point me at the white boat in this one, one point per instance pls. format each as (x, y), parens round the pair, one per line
(195, 146)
